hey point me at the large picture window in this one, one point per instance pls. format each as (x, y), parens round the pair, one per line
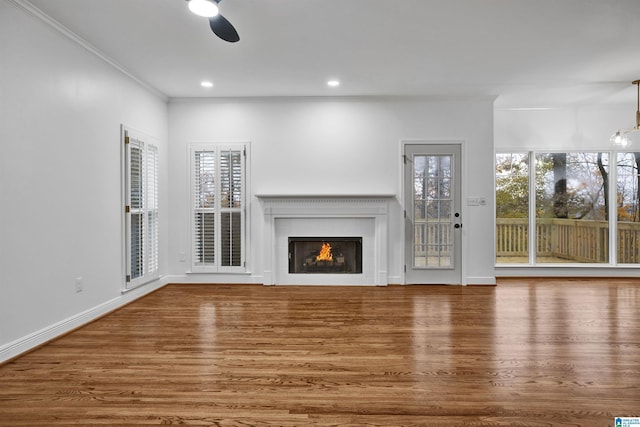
(141, 209)
(555, 208)
(218, 208)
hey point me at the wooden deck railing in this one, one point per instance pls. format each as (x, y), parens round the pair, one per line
(629, 242)
(431, 238)
(572, 240)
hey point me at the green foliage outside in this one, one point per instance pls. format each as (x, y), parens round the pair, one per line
(571, 183)
(512, 185)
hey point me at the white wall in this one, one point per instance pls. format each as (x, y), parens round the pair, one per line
(333, 146)
(60, 189)
(586, 127)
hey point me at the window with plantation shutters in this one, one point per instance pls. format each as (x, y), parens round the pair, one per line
(141, 209)
(218, 208)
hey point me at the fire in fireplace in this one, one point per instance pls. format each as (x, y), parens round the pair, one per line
(325, 255)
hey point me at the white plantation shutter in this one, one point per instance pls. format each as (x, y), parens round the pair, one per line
(231, 207)
(218, 200)
(152, 210)
(136, 208)
(141, 210)
(204, 191)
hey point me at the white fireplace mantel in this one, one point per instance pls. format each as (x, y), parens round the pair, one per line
(313, 214)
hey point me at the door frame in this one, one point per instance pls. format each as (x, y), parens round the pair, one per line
(463, 198)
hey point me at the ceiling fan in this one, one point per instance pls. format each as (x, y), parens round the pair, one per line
(218, 23)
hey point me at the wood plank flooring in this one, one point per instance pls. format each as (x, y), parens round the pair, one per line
(556, 352)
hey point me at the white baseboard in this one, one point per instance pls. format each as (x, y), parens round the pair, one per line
(395, 280)
(470, 280)
(480, 280)
(197, 278)
(35, 339)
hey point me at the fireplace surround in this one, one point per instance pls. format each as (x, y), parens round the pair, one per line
(327, 217)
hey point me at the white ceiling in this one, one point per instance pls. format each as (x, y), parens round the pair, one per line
(528, 53)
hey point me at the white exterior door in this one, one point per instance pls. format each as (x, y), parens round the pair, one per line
(433, 221)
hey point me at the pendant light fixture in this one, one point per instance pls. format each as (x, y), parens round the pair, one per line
(624, 138)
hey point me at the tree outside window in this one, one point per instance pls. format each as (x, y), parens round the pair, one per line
(571, 207)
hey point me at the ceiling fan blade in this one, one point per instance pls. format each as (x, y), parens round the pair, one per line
(223, 29)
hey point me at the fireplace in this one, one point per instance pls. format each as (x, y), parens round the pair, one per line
(335, 220)
(325, 255)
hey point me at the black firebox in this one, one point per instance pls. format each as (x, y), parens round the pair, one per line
(325, 255)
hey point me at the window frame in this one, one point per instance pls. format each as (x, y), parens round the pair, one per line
(217, 266)
(148, 209)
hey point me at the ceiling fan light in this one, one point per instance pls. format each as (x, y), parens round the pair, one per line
(205, 8)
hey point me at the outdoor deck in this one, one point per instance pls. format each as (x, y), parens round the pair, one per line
(565, 241)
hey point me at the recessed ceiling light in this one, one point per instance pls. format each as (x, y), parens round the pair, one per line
(333, 83)
(206, 84)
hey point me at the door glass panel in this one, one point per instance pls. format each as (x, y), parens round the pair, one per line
(432, 208)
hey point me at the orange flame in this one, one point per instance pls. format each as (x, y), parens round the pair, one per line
(325, 253)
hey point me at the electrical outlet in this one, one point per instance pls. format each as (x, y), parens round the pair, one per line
(78, 284)
(182, 257)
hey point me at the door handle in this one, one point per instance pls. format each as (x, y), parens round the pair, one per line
(457, 225)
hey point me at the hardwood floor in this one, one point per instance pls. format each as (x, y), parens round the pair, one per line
(527, 352)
